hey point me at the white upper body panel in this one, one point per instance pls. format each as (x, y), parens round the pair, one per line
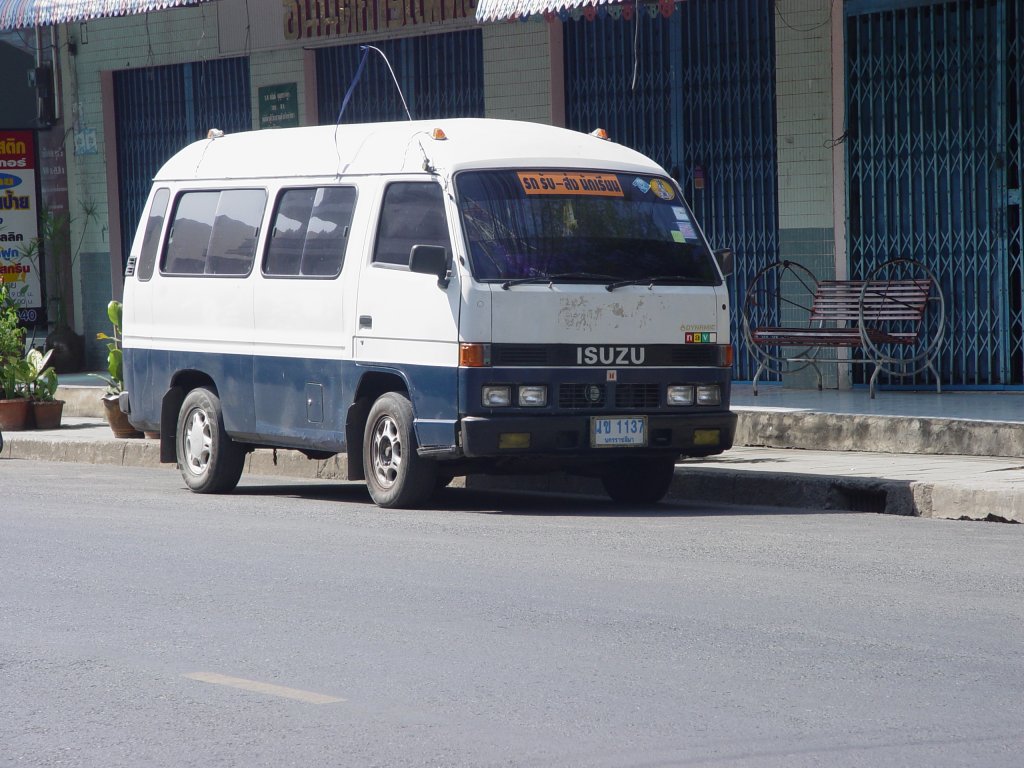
(388, 148)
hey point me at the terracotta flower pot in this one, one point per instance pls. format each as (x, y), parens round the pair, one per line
(118, 419)
(47, 413)
(15, 414)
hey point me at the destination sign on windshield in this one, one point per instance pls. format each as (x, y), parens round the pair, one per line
(570, 183)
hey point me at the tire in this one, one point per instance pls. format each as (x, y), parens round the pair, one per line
(209, 460)
(643, 481)
(395, 474)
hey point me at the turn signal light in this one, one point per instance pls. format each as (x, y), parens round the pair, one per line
(725, 354)
(474, 355)
(600, 133)
(438, 135)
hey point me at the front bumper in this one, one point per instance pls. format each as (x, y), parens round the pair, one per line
(689, 434)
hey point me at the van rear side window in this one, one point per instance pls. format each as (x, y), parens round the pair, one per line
(310, 232)
(151, 240)
(214, 233)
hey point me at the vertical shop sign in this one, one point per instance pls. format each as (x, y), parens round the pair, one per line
(19, 252)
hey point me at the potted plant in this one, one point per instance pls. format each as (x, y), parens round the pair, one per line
(15, 410)
(116, 418)
(41, 387)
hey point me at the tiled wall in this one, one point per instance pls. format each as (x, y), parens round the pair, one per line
(806, 154)
(517, 71)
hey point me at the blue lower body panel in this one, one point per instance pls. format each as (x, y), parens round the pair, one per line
(307, 404)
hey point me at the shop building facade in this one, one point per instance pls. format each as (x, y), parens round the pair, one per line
(836, 134)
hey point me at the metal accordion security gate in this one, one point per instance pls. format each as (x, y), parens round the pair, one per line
(440, 75)
(695, 90)
(159, 110)
(935, 92)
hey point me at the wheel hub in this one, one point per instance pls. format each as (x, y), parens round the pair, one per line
(198, 439)
(386, 451)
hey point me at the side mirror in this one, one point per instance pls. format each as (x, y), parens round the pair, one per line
(430, 260)
(726, 260)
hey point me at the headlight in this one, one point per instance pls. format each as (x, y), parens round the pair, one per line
(709, 394)
(533, 395)
(680, 394)
(495, 395)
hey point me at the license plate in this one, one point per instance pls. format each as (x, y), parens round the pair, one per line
(618, 431)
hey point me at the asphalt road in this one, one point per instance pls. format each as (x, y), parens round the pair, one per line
(295, 624)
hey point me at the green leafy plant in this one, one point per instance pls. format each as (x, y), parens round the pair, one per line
(115, 358)
(40, 377)
(13, 366)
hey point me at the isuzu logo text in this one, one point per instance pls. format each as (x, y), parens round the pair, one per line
(610, 355)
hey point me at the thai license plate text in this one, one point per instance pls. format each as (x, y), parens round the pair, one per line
(618, 431)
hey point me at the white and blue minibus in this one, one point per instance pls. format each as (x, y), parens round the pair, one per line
(429, 299)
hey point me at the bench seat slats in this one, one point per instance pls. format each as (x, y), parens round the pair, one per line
(892, 311)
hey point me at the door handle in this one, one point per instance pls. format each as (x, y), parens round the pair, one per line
(365, 321)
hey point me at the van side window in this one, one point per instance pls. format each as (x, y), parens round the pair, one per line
(310, 232)
(151, 239)
(412, 214)
(214, 233)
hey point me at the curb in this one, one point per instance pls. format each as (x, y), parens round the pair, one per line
(814, 430)
(692, 484)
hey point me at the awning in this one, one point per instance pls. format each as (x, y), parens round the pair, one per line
(17, 14)
(506, 10)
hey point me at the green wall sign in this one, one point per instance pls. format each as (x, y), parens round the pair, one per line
(279, 106)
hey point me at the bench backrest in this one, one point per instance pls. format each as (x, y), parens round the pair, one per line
(884, 300)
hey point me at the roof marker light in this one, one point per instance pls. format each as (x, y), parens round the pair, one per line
(214, 133)
(600, 133)
(438, 135)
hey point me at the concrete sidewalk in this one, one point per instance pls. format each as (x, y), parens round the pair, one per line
(943, 486)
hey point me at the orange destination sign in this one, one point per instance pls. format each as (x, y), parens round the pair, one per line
(570, 183)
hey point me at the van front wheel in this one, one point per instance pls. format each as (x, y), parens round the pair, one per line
(209, 460)
(396, 476)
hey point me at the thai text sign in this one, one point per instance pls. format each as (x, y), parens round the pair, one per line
(279, 106)
(570, 183)
(19, 252)
(329, 18)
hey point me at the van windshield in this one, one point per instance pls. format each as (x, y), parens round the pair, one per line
(580, 226)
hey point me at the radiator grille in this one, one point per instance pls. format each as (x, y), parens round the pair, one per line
(520, 354)
(581, 396)
(637, 396)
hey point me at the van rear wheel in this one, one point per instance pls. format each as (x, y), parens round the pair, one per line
(639, 481)
(395, 474)
(210, 461)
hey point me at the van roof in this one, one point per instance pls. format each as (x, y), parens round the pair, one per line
(399, 147)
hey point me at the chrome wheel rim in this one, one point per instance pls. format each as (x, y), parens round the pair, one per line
(197, 441)
(386, 451)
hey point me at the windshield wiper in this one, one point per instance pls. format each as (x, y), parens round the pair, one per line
(655, 279)
(556, 278)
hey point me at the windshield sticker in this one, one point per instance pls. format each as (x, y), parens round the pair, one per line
(680, 213)
(678, 236)
(642, 185)
(570, 183)
(663, 189)
(688, 230)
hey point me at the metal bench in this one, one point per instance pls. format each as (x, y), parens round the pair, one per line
(895, 318)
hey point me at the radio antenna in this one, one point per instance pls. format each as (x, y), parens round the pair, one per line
(359, 72)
